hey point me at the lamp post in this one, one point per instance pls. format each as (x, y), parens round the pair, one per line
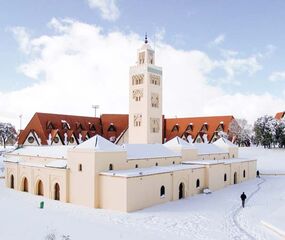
(20, 116)
(95, 108)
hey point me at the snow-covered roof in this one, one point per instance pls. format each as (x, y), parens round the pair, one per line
(57, 164)
(31, 164)
(222, 142)
(136, 172)
(178, 142)
(205, 148)
(143, 151)
(43, 151)
(223, 161)
(13, 159)
(100, 144)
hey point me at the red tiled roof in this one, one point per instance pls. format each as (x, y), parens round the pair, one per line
(113, 125)
(279, 115)
(39, 123)
(213, 123)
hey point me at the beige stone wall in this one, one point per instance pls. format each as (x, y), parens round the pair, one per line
(82, 183)
(220, 156)
(48, 176)
(144, 191)
(113, 193)
(252, 169)
(215, 176)
(150, 162)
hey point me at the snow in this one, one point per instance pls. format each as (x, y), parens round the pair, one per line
(222, 142)
(99, 143)
(144, 151)
(178, 142)
(202, 217)
(205, 148)
(270, 161)
(57, 164)
(213, 162)
(136, 172)
(43, 151)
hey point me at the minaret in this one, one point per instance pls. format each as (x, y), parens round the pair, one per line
(145, 98)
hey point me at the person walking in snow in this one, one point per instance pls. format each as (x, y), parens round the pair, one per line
(243, 197)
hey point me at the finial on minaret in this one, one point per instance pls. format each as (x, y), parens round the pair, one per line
(145, 38)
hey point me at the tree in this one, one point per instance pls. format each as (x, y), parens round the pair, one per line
(280, 133)
(265, 131)
(8, 133)
(240, 132)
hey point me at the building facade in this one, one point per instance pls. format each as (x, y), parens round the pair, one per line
(70, 161)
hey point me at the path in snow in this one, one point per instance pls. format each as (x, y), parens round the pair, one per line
(237, 211)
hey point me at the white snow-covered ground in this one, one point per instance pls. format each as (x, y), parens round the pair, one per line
(212, 216)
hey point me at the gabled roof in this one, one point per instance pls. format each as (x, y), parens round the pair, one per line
(279, 115)
(144, 151)
(99, 144)
(178, 142)
(221, 142)
(39, 122)
(204, 148)
(213, 123)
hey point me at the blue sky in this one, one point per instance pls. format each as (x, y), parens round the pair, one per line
(247, 30)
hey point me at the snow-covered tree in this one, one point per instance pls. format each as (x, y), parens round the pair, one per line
(240, 132)
(265, 131)
(8, 134)
(280, 134)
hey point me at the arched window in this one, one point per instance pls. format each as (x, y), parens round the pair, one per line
(225, 177)
(162, 191)
(25, 186)
(137, 166)
(173, 162)
(111, 167)
(244, 173)
(233, 156)
(80, 167)
(156, 164)
(56, 192)
(197, 183)
(40, 188)
(12, 181)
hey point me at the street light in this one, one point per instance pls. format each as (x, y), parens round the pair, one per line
(95, 108)
(20, 116)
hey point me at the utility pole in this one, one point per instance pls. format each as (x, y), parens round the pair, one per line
(20, 116)
(95, 108)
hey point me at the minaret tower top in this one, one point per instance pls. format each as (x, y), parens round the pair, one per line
(145, 98)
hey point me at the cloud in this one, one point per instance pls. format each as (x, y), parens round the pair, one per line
(277, 76)
(22, 37)
(108, 8)
(79, 65)
(218, 40)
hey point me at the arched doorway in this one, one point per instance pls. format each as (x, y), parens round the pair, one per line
(12, 181)
(235, 178)
(40, 188)
(56, 192)
(181, 190)
(25, 186)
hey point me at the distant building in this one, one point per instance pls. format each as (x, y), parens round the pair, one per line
(59, 129)
(66, 158)
(280, 115)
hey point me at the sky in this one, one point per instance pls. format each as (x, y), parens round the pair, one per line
(222, 57)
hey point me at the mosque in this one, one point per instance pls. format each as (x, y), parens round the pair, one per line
(142, 169)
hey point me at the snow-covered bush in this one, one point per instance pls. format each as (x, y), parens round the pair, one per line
(268, 131)
(8, 134)
(240, 132)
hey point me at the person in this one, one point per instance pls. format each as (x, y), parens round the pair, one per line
(243, 197)
(257, 174)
